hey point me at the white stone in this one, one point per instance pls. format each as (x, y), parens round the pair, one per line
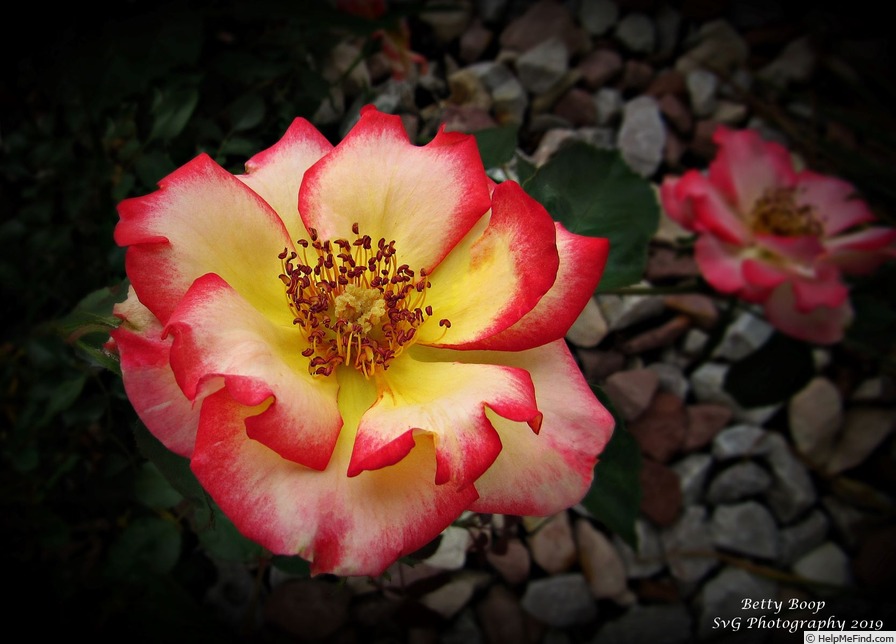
(792, 491)
(647, 559)
(864, 428)
(702, 85)
(692, 471)
(608, 102)
(636, 32)
(747, 333)
(720, 48)
(589, 328)
(795, 64)
(642, 136)
(826, 564)
(601, 564)
(452, 551)
(815, 415)
(540, 68)
(560, 600)
(448, 600)
(598, 16)
(747, 528)
(672, 378)
(621, 311)
(688, 545)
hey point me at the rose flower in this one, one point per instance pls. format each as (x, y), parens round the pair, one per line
(778, 237)
(353, 345)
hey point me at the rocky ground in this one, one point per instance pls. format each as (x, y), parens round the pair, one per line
(789, 502)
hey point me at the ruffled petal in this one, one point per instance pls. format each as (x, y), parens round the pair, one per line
(861, 252)
(448, 401)
(344, 525)
(833, 202)
(695, 203)
(746, 166)
(821, 325)
(761, 275)
(425, 198)
(544, 473)
(201, 220)
(824, 288)
(276, 174)
(802, 250)
(582, 261)
(491, 280)
(148, 379)
(218, 335)
(720, 264)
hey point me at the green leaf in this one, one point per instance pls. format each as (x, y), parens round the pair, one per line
(774, 372)
(149, 545)
(615, 494)
(246, 112)
(153, 490)
(292, 565)
(93, 314)
(220, 537)
(497, 145)
(175, 469)
(172, 111)
(593, 192)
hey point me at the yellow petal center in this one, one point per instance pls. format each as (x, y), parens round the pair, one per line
(776, 212)
(353, 302)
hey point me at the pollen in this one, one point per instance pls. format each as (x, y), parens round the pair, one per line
(354, 303)
(776, 212)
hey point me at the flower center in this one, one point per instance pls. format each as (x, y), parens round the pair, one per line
(354, 303)
(776, 212)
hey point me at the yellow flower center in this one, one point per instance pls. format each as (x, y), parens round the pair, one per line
(354, 303)
(776, 212)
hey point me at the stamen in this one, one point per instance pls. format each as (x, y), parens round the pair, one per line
(362, 308)
(777, 213)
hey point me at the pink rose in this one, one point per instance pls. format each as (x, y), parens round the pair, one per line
(778, 237)
(355, 344)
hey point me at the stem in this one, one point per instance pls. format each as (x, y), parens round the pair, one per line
(690, 287)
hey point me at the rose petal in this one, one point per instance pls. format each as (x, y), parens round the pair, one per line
(201, 220)
(491, 280)
(821, 325)
(344, 525)
(720, 264)
(537, 475)
(217, 334)
(582, 261)
(694, 202)
(425, 198)
(448, 401)
(861, 252)
(148, 379)
(746, 166)
(276, 173)
(833, 202)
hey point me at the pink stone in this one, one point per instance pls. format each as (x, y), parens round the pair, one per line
(661, 336)
(513, 564)
(677, 113)
(636, 75)
(599, 67)
(664, 264)
(598, 364)
(668, 81)
(661, 493)
(541, 21)
(705, 420)
(700, 308)
(474, 41)
(631, 391)
(661, 429)
(552, 545)
(577, 107)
